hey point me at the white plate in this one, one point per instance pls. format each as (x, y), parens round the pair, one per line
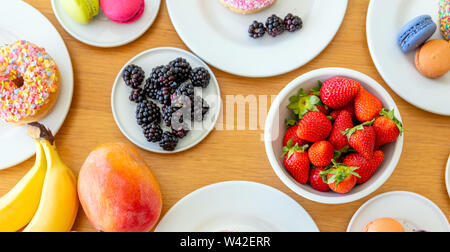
(31, 25)
(237, 206)
(447, 176)
(103, 32)
(124, 110)
(410, 207)
(220, 36)
(385, 18)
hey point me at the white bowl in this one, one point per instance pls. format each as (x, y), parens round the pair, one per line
(276, 127)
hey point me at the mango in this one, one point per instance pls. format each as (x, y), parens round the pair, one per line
(118, 191)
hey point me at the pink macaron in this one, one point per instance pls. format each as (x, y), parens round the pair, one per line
(123, 11)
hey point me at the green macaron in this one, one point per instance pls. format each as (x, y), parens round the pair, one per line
(81, 11)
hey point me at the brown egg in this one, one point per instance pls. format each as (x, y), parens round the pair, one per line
(433, 58)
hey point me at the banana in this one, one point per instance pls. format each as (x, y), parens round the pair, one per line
(18, 206)
(58, 206)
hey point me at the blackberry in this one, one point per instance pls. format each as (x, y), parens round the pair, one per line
(133, 76)
(153, 132)
(199, 109)
(256, 30)
(163, 95)
(185, 89)
(138, 95)
(168, 141)
(200, 77)
(167, 115)
(181, 69)
(181, 131)
(147, 112)
(151, 88)
(292, 23)
(274, 25)
(163, 75)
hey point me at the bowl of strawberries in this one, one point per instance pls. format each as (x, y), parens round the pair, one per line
(334, 135)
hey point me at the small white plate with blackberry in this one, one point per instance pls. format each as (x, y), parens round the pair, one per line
(166, 100)
(221, 37)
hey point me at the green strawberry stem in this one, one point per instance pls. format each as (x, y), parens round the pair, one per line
(290, 150)
(351, 131)
(339, 172)
(391, 115)
(304, 103)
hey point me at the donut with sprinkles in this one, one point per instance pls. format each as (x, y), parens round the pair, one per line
(247, 6)
(444, 18)
(29, 83)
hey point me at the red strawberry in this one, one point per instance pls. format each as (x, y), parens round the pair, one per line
(314, 126)
(367, 106)
(321, 153)
(291, 133)
(366, 167)
(349, 108)
(387, 127)
(337, 92)
(341, 178)
(296, 162)
(362, 138)
(342, 123)
(316, 181)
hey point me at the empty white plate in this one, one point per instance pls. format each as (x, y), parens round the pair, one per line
(385, 18)
(102, 32)
(31, 25)
(220, 36)
(415, 209)
(237, 206)
(124, 110)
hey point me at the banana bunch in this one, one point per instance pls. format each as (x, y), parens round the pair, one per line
(45, 200)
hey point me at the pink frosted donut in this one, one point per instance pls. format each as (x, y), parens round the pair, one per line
(247, 6)
(29, 83)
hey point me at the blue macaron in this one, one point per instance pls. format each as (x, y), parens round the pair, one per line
(415, 33)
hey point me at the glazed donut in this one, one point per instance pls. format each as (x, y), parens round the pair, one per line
(247, 6)
(29, 83)
(444, 18)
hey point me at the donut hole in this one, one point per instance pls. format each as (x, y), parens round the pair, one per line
(18, 82)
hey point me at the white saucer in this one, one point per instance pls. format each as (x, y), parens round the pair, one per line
(15, 145)
(102, 32)
(237, 206)
(410, 207)
(385, 18)
(220, 36)
(124, 110)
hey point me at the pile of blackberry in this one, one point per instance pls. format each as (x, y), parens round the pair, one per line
(173, 87)
(275, 26)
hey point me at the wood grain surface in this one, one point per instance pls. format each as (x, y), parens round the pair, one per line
(239, 154)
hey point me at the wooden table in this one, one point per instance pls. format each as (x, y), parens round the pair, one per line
(237, 155)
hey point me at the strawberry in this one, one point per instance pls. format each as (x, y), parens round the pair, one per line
(341, 178)
(337, 92)
(342, 123)
(366, 167)
(367, 106)
(291, 134)
(296, 161)
(321, 153)
(350, 108)
(314, 126)
(304, 103)
(387, 128)
(362, 138)
(316, 181)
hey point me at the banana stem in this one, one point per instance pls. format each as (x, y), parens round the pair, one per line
(38, 131)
